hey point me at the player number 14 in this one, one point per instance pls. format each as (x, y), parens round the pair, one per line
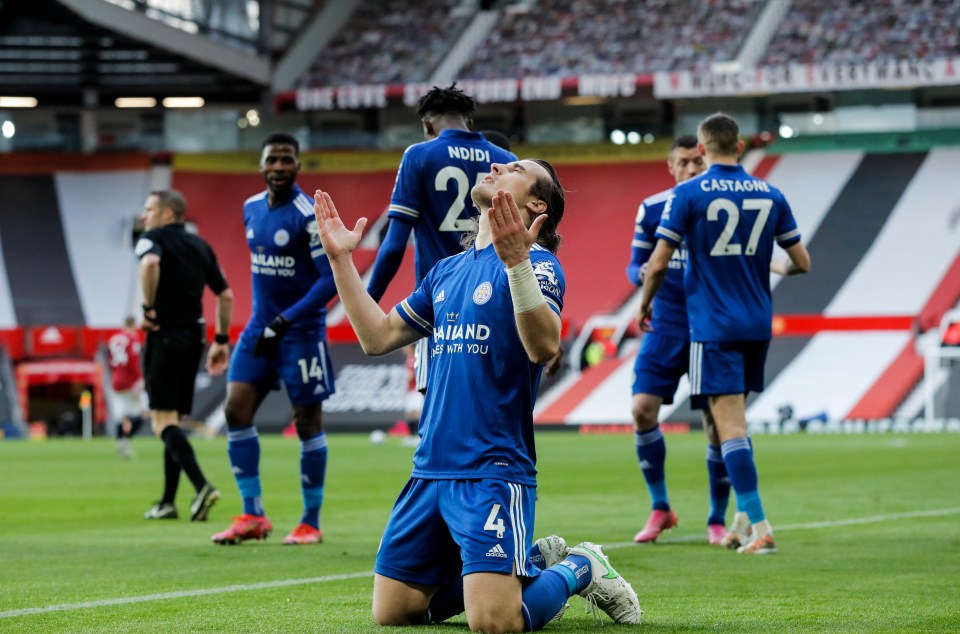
(310, 370)
(722, 245)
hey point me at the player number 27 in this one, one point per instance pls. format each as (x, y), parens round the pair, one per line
(452, 221)
(310, 370)
(722, 245)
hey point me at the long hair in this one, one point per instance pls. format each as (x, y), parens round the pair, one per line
(549, 191)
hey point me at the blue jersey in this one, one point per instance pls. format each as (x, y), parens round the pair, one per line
(433, 191)
(291, 274)
(670, 308)
(730, 221)
(477, 419)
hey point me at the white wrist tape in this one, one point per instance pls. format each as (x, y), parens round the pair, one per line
(524, 288)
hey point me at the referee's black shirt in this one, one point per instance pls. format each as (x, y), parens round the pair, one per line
(187, 264)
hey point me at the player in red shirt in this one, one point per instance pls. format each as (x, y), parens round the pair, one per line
(126, 377)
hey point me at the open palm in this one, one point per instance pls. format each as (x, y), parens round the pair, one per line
(336, 238)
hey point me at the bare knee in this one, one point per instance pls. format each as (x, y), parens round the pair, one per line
(492, 624)
(387, 617)
(645, 409)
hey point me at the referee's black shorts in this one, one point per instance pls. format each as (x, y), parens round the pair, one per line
(171, 358)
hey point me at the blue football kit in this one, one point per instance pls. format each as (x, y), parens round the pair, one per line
(730, 221)
(664, 353)
(473, 486)
(291, 277)
(433, 191)
(432, 194)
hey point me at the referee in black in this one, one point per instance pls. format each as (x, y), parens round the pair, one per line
(175, 265)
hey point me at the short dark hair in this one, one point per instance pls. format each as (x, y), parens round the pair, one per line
(452, 100)
(549, 191)
(174, 200)
(720, 134)
(281, 138)
(686, 141)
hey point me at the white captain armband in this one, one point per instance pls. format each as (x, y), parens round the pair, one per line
(524, 288)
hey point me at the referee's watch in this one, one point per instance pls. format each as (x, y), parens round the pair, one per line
(221, 339)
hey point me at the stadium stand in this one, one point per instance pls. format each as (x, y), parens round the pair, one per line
(821, 31)
(569, 38)
(400, 42)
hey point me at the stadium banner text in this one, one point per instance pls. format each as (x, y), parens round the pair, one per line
(807, 78)
(483, 90)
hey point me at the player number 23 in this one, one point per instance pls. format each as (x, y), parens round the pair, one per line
(722, 245)
(310, 368)
(452, 221)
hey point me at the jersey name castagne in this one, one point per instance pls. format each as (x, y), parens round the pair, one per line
(477, 419)
(286, 258)
(433, 191)
(730, 221)
(670, 307)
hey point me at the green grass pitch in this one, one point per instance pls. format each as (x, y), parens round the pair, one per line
(868, 528)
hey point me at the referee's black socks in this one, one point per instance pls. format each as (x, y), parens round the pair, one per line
(179, 447)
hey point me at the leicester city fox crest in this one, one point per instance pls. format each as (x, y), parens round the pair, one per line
(483, 293)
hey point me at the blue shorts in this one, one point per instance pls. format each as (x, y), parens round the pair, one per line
(661, 363)
(439, 529)
(727, 367)
(303, 364)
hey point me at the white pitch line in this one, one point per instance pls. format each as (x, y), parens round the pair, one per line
(358, 575)
(163, 596)
(812, 525)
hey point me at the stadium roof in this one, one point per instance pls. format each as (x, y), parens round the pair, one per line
(88, 52)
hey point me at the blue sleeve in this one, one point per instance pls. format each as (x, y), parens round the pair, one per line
(673, 221)
(642, 245)
(323, 289)
(787, 233)
(319, 294)
(417, 309)
(550, 277)
(407, 197)
(389, 256)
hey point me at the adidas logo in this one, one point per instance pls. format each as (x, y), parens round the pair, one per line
(249, 234)
(645, 465)
(440, 296)
(496, 551)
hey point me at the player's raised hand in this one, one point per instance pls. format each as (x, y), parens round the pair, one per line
(511, 238)
(336, 238)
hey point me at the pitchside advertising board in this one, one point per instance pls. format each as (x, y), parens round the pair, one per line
(666, 85)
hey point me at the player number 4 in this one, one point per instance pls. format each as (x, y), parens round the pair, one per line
(494, 523)
(722, 245)
(310, 370)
